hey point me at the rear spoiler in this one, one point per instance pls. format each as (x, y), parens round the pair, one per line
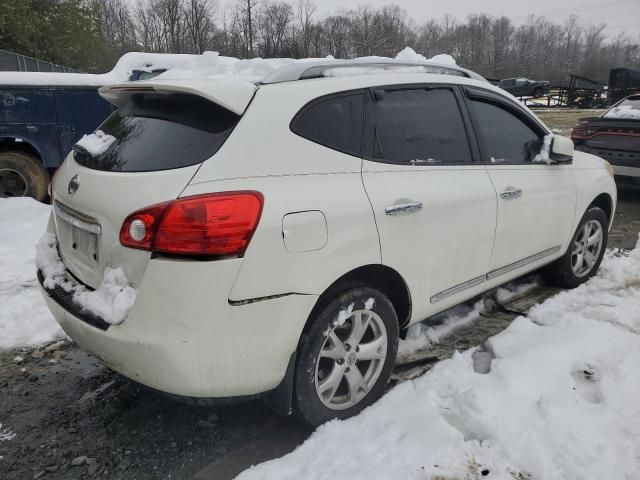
(234, 95)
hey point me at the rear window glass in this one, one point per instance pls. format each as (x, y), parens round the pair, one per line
(626, 109)
(334, 122)
(160, 132)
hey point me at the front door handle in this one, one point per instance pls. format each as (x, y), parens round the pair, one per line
(511, 193)
(401, 208)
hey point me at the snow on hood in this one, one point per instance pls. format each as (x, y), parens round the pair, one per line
(185, 66)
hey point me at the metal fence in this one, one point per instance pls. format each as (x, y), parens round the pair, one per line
(14, 62)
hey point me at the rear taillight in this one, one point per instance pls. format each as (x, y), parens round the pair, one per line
(210, 224)
(579, 132)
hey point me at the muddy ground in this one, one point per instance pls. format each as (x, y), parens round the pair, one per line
(73, 418)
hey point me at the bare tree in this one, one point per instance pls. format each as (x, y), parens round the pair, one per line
(304, 15)
(198, 19)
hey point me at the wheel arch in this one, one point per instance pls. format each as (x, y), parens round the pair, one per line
(17, 144)
(378, 276)
(605, 202)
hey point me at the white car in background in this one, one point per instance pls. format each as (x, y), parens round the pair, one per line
(276, 239)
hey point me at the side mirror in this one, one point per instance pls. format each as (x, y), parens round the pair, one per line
(561, 149)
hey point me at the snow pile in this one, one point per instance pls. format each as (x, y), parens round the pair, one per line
(624, 111)
(96, 143)
(111, 301)
(185, 66)
(408, 54)
(24, 317)
(559, 402)
(6, 434)
(421, 335)
(545, 150)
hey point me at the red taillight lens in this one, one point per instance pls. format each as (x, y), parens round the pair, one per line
(211, 224)
(579, 132)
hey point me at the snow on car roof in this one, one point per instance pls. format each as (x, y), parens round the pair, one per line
(186, 66)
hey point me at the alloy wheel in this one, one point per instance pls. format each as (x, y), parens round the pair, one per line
(351, 360)
(586, 248)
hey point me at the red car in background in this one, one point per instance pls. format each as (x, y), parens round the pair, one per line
(614, 136)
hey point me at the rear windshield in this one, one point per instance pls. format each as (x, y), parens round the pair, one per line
(626, 109)
(160, 132)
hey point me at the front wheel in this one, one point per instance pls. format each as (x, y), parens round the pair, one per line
(584, 255)
(347, 356)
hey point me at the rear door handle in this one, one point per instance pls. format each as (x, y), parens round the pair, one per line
(511, 193)
(402, 208)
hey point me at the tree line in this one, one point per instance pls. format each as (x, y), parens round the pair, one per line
(92, 34)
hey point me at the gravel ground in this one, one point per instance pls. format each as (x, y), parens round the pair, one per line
(73, 418)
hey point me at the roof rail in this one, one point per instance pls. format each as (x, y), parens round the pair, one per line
(311, 69)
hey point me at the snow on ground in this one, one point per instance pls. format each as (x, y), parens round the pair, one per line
(560, 402)
(24, 317)
(179, 66)
(6, 434)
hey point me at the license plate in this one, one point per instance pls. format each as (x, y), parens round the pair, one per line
(80, 234)
(85, 244)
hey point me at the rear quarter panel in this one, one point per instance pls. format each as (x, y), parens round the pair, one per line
(294, 175)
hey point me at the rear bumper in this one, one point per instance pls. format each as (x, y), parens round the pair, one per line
(183, 337)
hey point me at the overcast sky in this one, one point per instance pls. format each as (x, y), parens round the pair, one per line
(619, 15)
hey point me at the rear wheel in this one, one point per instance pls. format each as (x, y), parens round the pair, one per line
(22, 175)
(346, 356)
(538, 92)
(584, 255)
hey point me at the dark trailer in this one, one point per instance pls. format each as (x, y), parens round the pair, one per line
(38, 126)
(622, 83)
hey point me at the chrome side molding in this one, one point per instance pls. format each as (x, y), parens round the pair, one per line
(521, 263)
(457, 289)
(493, 274)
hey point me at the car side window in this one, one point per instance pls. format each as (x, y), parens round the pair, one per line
(419, 126)
(335, 122)
(504, 137)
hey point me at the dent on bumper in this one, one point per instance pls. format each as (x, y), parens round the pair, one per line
(183, 337)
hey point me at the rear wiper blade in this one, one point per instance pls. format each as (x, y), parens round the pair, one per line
(81, 150)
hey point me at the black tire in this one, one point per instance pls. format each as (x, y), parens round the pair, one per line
(538, 92)
(308, 402)
(560, 273)
(22, 174)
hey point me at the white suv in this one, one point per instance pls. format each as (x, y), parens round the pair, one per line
(276, 239)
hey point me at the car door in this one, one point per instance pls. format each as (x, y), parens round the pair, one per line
(536, 200)
(435, 208)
